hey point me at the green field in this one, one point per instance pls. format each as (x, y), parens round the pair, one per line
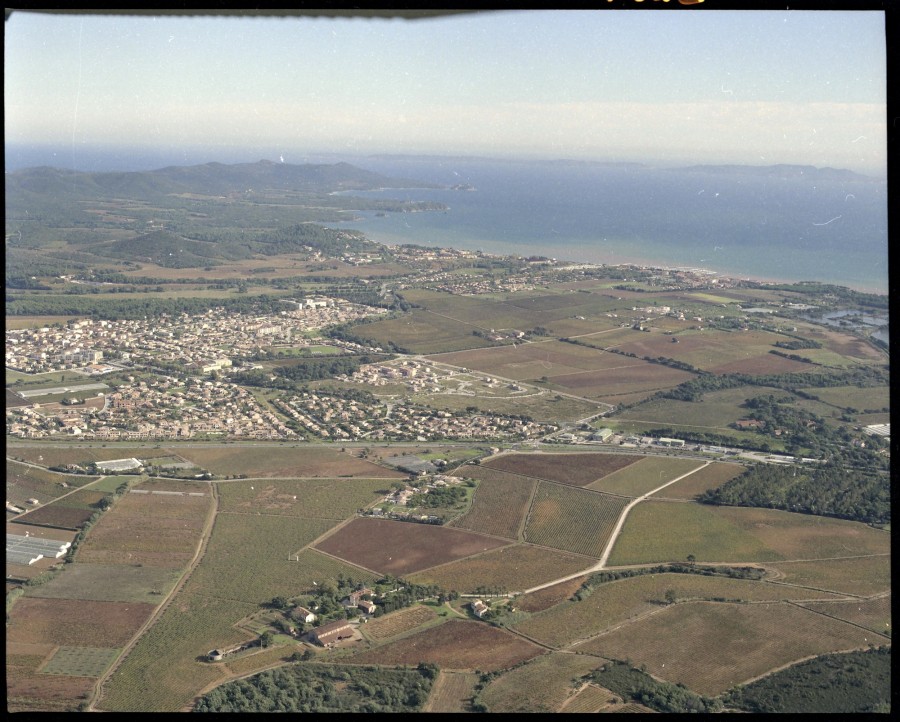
(308, 498)
(81, 661)
(612, 603)
(423, 332)
(861, 576)
(670, 531)
(109, 582)
(645, 475)
(541, 685)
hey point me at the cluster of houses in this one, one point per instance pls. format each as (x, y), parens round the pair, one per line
(332, 417)
(196, 342)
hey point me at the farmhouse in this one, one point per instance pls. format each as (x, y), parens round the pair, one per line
(367, 606)
(354, 598)
(302, 614)
(331, 632)
(479, 608)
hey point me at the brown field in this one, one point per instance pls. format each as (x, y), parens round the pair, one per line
(399, 622)
(615, 602)
(856, 575)
(710, 647)
(455, 645)
(874, 614)
(641, 378)
(261, 461)
(151, 529)
(57, 516)
(422, 331)
(76, 623)
(572, 519)
(847, 345)
(29, 691)
(571, 469)
(532, 361)
(647, 474)
(401, 548)
(549, 597)
(542, 685)
(710, 477)
(590, 698)
(511, 568)
(452, 692)
(499, 503)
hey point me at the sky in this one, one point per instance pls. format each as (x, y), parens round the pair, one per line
(692, 86)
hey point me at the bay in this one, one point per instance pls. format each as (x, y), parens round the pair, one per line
(790, 225)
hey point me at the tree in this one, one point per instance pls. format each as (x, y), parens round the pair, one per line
(670, 596)
(691, 559)
(265, 639)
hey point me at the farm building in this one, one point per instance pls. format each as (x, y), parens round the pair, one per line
(331, 632)
(479, 608)
(367, 606)
(665, 441)
(29, 549)
(115, 465)
(601, 434)
(412, 464)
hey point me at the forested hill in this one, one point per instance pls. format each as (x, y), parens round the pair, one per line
(827, 490)
(206, 179)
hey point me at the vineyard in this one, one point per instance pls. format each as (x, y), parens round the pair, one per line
(452, 692)
(572, 519)
(590, 698)
(542, 685)
(498, 506)
(399, 622)
(511, 568)
(721, 645)
(709, 477)
(861, 576)
(645, 475)
(311, 498)
(571, 469)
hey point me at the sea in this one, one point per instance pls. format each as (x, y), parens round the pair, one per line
(782, 227)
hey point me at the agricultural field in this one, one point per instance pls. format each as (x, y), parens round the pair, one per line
(287, 462)
(542, 685)
(657, 531)
(58, 456)
(721, 645)
(65, 517)
(875, 397)
(310, 498)
(165, 670)
(625, 384)
(33, 618)
(399, 622)
(549, 596)
(24, 482)
(250, 557)
(874, 614)
(423, 332)
(80, 661)
(258, 660)
(647, 474)
(715, 413)
(499, 503)
(710, 476)
(572, 519)
(452, 692)
(511, 568)
(403, 548)
(109, 582)
(154, 530)
(630, 599)
(574, 469)
(862, 576)
(454, 645)
(589, 698)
